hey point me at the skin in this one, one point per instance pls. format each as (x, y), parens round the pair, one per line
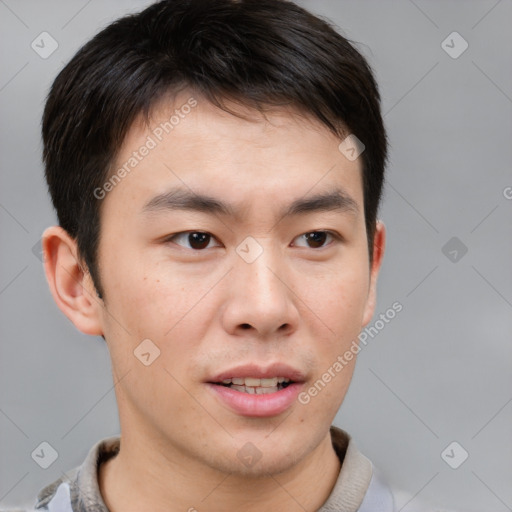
(208, 310)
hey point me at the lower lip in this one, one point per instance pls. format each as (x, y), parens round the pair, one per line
(260, 406)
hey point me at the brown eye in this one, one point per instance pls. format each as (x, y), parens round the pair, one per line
(316, 239)
(196, 240)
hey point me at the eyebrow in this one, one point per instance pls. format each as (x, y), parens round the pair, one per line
(181, 199)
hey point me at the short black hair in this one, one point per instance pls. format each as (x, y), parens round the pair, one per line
(258, 53)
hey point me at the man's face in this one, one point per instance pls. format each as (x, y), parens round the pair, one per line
(246, 293)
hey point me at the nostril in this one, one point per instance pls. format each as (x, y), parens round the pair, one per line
(246, 326)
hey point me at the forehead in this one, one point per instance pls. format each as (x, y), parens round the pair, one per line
(193, 144)
(194, 120)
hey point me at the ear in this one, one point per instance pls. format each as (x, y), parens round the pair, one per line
(71, 286)
(379, 244)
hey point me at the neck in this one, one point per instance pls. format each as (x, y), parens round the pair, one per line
(142, 477)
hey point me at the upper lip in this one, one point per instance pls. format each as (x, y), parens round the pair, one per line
(260, 372)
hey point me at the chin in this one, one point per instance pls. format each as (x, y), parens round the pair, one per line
(263, 468)
(261, 454)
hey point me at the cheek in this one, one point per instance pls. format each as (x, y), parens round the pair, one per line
(171, 309)
(149, 297)
(338, 299)
(322, 397)
(154, 315)
(338, 304)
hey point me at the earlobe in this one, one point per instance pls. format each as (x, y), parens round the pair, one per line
(379, 245)
(70, 285)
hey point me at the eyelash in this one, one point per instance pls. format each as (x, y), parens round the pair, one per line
(333, 234)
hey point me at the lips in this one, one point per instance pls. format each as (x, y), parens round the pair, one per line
(258, 391)
(256, 372)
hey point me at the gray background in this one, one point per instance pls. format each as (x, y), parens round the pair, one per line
(439, 372)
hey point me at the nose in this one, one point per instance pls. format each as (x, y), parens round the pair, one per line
(260, 300)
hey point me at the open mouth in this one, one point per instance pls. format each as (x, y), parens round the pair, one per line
(254, 386)
(257, 391)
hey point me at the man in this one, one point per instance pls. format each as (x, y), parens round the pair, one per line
(217, 167)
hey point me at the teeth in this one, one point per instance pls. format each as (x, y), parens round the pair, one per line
(264, 391)
(256, 383)
(254, 386)
(255, 391)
